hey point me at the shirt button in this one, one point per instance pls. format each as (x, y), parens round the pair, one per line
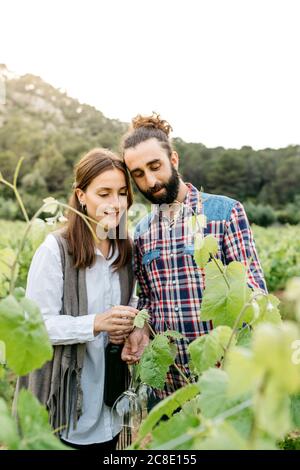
(176, 309)
(174, 282)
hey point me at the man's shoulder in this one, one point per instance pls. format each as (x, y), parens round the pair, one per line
(217, 207)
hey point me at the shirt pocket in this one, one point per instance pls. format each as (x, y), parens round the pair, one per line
(194, 273)
(150, 256)
(152, 265)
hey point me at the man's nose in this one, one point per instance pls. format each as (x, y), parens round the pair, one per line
(150, 180)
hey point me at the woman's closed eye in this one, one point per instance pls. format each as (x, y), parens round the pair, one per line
(107, 194)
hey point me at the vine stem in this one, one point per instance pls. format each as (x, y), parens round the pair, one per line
(185, 378)
(181, 440)
(28, 228)
(30, 222)
(254, 427)
(221, 270)
(213, 257)
(15, 189)
(237, 321)
(151, 330)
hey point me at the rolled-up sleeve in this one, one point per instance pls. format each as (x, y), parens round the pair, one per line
(45, 288)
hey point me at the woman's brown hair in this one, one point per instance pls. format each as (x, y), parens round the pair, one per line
(80, 239)
(148, 127)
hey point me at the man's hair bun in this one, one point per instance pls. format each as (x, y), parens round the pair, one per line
(154, 121)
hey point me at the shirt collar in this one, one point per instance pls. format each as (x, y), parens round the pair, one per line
(192, 196)
(192, 200)
(111, 260)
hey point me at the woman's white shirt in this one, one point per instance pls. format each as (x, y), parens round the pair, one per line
(45, 287)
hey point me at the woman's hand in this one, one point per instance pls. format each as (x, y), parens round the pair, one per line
(117, 321)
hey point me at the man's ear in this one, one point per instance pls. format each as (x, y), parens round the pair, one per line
(175, 159)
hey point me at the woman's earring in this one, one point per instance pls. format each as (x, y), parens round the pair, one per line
(83, 206)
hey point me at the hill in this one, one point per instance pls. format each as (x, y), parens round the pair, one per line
(52, 130)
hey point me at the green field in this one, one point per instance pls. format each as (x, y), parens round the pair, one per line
(279, 252)
(278, 249)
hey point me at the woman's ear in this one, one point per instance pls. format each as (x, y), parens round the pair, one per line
(80, 195)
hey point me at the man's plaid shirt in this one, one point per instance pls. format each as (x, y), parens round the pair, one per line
(171, 284)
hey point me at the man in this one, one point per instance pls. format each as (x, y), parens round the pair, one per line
(171, 283)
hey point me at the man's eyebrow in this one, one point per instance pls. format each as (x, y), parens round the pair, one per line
(156, 160)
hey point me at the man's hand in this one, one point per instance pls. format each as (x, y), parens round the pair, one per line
(119, 337)
(135, 344)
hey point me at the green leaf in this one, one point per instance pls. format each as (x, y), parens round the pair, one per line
(209, 247)
(214, 399)
(207, 350)
(177, 425)
(295, 409)
(51, 205)
(222, 334)
(244, 337)
(34, 424)
(242, 421)
(269, 374)
(225, 436)
(273, 353)
(7, 259)
(268, 310)
(19, 293)
(173, 334)
(24, 333)
(292, 294)
(167, 407)
(223, 301)
(273, 411)
(8, 430)
(244, 375)
(37, 233)
(140, 319)
(199, 222)
(155, 362)
(222, 437)
(215, 294)
(204, 352)
(2, 352)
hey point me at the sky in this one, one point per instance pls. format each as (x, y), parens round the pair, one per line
(222, 72)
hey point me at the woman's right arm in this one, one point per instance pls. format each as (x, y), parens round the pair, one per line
(45, 287)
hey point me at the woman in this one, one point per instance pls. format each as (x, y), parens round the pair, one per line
(81, 278)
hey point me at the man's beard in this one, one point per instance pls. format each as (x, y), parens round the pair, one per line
(170, 190)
